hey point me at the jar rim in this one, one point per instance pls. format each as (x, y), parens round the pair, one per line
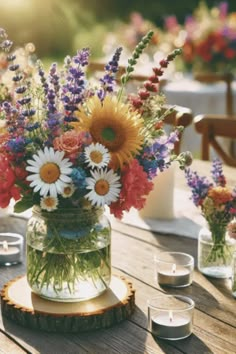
(154, 302)
(37, 208)
(160, 257)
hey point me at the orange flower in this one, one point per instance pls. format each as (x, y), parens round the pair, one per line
(220, 195)
(70, 142)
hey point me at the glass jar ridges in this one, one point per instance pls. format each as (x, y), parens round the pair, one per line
(68, 254)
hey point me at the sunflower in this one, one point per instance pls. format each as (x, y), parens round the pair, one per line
(113, 125)
(104, 187)
(50, 172)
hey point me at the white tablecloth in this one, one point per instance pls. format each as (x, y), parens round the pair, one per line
(200, 98)
(187, 220)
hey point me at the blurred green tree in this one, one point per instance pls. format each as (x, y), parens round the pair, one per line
(154, 10)
(59, 27)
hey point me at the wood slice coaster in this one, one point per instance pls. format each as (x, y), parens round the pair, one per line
(24, 307)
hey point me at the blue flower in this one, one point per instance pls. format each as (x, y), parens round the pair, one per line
(78, 176)
(17, 145)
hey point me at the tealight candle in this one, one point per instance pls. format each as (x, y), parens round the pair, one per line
(170, 316)
(11, 248)
(174, 269)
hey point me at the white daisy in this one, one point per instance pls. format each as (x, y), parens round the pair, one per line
(97, 155)
(68, 190)
(49, 203)
(105, 187)
(49, 172)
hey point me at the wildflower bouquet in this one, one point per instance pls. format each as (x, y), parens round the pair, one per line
(66, 142)
(218, 206)
(69, 145)
(210, 39)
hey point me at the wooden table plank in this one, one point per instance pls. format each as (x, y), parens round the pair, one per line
(210, 334)
(128, 333)
(8, 346)
(125, 338)
(142, 267)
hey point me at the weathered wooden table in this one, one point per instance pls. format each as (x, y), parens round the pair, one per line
(132, 256)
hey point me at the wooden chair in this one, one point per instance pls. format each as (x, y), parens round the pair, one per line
(227, 78)
(98, 67)
(212, 127)
(179, 116)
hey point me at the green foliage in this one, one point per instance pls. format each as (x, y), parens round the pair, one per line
(57, 27)
(92, 37)
(135, 55)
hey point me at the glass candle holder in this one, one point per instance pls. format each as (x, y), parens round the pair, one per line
(174, 269)
(170, 316)
(11, 248)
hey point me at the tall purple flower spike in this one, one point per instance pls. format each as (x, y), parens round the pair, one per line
(73, 89)
(108, 81)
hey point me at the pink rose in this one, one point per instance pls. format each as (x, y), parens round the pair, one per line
(69, 142)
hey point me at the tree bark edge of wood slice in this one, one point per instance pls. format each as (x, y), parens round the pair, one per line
(27, 309)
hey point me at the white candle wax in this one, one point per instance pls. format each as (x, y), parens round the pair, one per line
(11, 248)
(9, 255)
(160, 201)
(177, 277)
(177, 327)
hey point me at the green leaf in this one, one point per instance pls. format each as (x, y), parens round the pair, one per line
(24, 204)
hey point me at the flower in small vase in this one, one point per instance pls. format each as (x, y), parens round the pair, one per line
(207, 37)
(231, 228)
(217, 203)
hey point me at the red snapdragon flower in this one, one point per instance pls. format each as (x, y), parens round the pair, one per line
(8, 189)
(135, 188)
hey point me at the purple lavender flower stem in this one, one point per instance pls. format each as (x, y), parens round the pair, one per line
(108, 81)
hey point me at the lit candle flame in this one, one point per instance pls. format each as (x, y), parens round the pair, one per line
(171, 316)
(174, 268)
(5, 246)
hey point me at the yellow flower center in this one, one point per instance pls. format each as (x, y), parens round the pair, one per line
(49, 202)
(96, 156)
(67, 190)
(49, 172)
(102, 187)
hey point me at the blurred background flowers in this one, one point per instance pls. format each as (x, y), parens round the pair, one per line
(208, 38)
(57, 27)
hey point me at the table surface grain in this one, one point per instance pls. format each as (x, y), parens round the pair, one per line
(132, 256)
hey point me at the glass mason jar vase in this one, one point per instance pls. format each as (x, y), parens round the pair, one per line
(68, 254)
(215, 253)
(234, 275)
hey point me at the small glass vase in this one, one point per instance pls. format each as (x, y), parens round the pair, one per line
(234, 275)
(68, 254)
(215, 252)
